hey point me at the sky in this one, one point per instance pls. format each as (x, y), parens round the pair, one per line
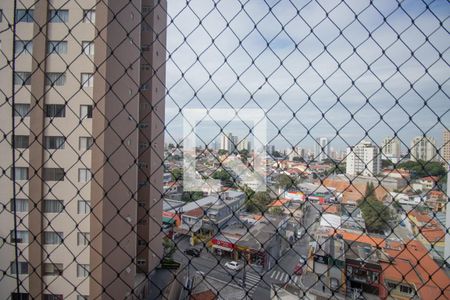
(346, 70)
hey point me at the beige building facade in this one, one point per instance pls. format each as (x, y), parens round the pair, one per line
(83, 118)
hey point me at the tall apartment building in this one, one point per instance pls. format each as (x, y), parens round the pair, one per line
(391, 149)
(321, 149)
(423, 148)
(83, 108)
(445, 150)
(244, 144)
(363, 159)
(228, 142)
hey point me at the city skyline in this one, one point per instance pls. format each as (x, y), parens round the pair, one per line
(309, 96)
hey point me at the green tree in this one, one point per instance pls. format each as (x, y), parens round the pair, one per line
(286, 182)
(277, 211)
(177, 174)
(222, 174)
(298, 159)
(222, 152)
(376, 215)
(191, 196)
(423, 168)
(258, 202)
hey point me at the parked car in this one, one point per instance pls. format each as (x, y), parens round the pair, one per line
(302, 261)
(192, 252)
(233, 265)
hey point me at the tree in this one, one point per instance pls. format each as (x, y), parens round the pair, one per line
(257, 202)
(177, 174)
(386, 163)
(221, 174)
(277, 211)
(222, 152)
(423, 168)
(376, 215)
(191, 196)
(286, 182)
(298, 159)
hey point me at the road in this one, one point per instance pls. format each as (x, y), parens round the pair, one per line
(257, 281)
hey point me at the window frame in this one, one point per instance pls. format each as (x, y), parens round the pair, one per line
(21, 141)
(26, 17)
(85, 143)
(56, 207)
(55, 110)
(53, 174)
(57, 47)
(85, 114)
(58, 16)
(22, 78)
(53, 238)
(54, 142)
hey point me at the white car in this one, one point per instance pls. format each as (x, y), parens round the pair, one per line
(233, 265)
(302, 260)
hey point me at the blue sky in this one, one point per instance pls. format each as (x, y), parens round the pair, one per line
(316, 60)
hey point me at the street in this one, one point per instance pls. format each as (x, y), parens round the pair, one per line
(254, 282)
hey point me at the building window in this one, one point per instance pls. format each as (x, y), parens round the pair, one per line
(85, 112)
(21, 205)
(84, 175)
(88, 48)
(21, 141)
(82, 297)
(53, 269)
(53, 297)
(145, 87)
(20, 296)
(55, 110)
(87, 80)
(85, 143)
(141, 262)
(406, 289)
(145, 48)
(54, 142)
(24, 15)
(22, 236)
(146, 26)
(83, 207)
(22, 267)
(19, 173)
(83, 238)
(23, 46)
(22, 78)
(57, 47)
(55, 79)
(53, 206)
(53, 174)
(1, 15)
(21, 110)
(82, 270)
(59, 16)
(89, 16)
(53, 238)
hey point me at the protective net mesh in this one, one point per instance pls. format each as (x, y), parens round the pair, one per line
(208, 149)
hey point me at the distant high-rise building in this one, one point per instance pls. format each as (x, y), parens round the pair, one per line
(228, 142)
(391, 149)
(445, 152)
(89, 118)
(363, 159)
(321, 149)
(423, 148)
(244, 144)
